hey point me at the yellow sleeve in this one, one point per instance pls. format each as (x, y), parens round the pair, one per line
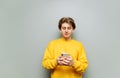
(81, 63)
(49, 61)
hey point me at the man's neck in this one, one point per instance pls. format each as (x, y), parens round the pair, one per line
(67, 38)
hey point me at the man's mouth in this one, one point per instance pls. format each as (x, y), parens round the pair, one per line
(66, 33)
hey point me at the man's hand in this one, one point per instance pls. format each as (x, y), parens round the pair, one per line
(65, 60)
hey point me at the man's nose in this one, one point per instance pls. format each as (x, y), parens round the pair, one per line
(66, 30)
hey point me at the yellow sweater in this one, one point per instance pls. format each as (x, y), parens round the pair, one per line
(76, 51)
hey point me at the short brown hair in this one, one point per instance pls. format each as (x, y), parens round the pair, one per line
(68, 20)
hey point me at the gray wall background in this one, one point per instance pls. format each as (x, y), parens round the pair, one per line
(26, 26)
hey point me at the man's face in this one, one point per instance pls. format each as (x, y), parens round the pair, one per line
(66, 30)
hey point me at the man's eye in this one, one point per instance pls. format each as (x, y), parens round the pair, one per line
(63, 28)
(69, 28)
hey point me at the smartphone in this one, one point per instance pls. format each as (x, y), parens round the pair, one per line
(64, 54)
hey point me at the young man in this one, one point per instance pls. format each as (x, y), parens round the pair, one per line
(65, 57)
